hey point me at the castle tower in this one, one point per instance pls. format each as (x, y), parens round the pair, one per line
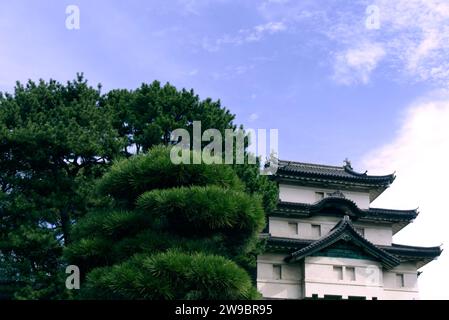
(325, 241)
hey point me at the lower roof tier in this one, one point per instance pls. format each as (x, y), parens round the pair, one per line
(420, 255)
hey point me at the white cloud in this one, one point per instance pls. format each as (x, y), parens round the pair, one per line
(254, 34)
(193, 72)
(253, 117)
(355, 65)
(194, 7)
(420, 154)
(418, 36)
(414, 34)
(230, 72)
(259, 31)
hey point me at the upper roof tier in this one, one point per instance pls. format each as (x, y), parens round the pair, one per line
(344, 176)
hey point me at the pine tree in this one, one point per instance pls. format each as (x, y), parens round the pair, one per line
(172, 232)
(55, 140)
(147, 115)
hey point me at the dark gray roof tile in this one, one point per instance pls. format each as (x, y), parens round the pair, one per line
(325, 172)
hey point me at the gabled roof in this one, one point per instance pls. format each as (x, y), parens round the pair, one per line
(345, 231)
(341, 207)
(344, 175)
(420, 255)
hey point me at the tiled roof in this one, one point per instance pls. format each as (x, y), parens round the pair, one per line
(301, 170)
(411, 253)
(345, 231)
(402, 252)
(343, 206)
(390, 214)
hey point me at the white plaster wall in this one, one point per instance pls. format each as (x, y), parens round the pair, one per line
(278, 227)
(316, 276)
(270, 290)
(390, 294)
(320, 269)
(300, 194)
(289, 287)
(290, 271)
(343, 290)
(371, 281)
(409, 270)
(377, 233)
(410, 291)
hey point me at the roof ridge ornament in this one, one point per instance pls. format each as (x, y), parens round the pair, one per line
(271, 165)
(347, 163)
(337, 194)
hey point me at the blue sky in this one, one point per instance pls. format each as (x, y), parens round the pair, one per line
(333, 87)
(273, 60)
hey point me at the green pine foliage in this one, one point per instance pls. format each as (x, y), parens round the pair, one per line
(183, 237)
(55, 141)
(147, 115)
(128, 179)
(184, 210)
(171, 275)
(57, 144)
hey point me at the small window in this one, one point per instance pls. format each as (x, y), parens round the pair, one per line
(293, 227)
(319, 196)
(350, 273)
(277, 272)
(316, 230)
(338, 272)
(361, 231)
(400, 280)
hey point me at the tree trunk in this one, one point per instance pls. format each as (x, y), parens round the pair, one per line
(65, 225)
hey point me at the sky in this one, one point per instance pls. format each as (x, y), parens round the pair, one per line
(360, 79)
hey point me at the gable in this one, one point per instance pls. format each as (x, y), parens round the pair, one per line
(344, 249)
(344, 231)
